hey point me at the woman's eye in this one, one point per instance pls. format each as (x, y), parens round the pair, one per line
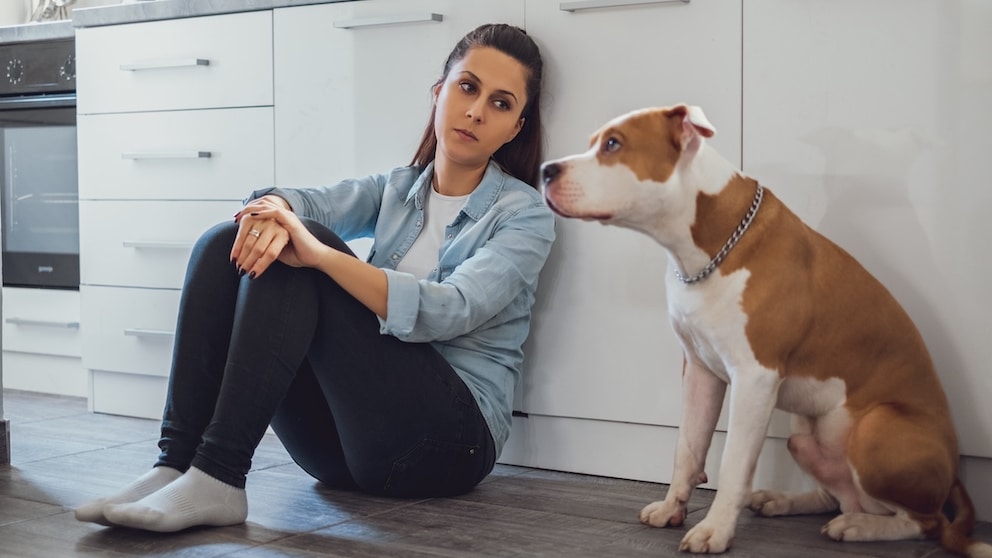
(611, 145)
(501, 104)
(467, 86)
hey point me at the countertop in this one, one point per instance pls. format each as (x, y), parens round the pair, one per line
(151, 10)
(37, 31)
(148, 10)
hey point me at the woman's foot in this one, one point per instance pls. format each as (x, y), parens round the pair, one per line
(144, 485)
(193, 499)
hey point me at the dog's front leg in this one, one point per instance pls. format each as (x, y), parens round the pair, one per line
(702, 400)
(753, 393)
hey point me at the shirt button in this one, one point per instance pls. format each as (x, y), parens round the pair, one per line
(395, 257)
(418, 223)
(450, 236)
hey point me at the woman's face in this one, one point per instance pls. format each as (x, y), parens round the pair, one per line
(479, 106)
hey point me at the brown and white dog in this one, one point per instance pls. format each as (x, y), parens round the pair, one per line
(788, 319)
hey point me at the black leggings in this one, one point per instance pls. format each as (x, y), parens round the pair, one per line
(356, 409)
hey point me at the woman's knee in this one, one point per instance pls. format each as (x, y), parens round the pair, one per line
(219, 237)
(325, 235)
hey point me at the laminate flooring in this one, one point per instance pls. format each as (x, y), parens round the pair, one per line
(63, 455)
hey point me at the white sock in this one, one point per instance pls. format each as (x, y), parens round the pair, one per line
(144, 485)
(193, 499)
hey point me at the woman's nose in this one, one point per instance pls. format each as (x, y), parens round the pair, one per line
(476, 111)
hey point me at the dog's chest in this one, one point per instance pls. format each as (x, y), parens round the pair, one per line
(710, 322)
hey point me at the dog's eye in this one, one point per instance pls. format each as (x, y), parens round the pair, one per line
(611, 145)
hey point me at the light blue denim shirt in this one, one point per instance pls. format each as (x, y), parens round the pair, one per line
(475, 307)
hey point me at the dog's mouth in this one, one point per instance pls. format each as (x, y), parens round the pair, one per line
(555, 208)
(587, 217)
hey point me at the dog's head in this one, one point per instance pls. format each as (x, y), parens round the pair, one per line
(634, 169)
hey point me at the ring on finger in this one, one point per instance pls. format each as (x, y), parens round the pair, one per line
(254, 232)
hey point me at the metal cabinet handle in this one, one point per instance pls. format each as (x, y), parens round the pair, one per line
(165, 64)
(42, 323)
(160, 244)
(137, 155)
(576, 5)
(387, 20)
(140, 332)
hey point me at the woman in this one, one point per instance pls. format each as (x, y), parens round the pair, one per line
(393, 377)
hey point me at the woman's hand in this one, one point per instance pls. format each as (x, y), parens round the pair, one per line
(269, 230)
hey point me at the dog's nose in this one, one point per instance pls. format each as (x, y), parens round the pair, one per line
(549, 171)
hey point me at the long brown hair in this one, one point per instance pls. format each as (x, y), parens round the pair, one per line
(522, 156)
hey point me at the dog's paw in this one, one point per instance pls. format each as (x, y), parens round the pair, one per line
(846, 527)
(770, 503)
(870, 527)
(709, 537)
(663, 514)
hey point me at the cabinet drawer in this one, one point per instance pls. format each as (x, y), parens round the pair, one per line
(128, 330)
(204, 62)
(143, 243)
(203, 155)
(130, 395)
(42, 321)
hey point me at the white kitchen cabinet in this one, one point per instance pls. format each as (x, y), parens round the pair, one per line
(602, 357)
(880, 144)
(873, 126)
(150, 252)
(173, 134)
(204, 62)
(353, 80)
(217, 154)
(42, 341)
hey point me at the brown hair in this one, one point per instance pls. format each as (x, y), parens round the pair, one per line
(522, 156)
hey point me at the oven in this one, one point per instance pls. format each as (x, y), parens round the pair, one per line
(39, 202)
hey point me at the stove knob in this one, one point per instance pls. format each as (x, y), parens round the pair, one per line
(68, 69)
(15, 71)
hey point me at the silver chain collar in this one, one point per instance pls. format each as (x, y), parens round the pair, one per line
(703, 273)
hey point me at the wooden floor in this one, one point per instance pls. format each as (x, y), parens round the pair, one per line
(63, 456)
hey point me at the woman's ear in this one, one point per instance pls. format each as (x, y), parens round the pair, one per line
(434, 92)
(516, 130)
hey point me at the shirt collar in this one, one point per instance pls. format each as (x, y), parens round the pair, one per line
(481, 199)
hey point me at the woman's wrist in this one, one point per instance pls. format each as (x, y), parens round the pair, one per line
(278, 200)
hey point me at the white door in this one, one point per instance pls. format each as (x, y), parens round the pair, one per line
(872, 124)
(601, 346)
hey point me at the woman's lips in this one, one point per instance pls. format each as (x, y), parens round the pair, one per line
(466, 134)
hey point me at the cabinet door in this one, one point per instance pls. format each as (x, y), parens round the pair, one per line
(220, 154)
(149, 252)
(601, 345)
(41, 321)
(200, 62)
(871, 119)
(353, 79)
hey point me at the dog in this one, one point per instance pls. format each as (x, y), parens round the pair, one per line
(763, 303)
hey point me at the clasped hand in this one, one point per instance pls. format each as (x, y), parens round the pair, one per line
(268, 230)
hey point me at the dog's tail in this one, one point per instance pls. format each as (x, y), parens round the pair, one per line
(956, 535)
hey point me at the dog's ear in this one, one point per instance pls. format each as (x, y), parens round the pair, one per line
(694, 122)
(689, 128)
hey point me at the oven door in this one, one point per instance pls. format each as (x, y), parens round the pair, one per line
(40, 195)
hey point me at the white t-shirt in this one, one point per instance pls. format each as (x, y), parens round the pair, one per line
(439, 212)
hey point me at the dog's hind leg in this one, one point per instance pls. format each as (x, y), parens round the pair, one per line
(772, 502)
(870, 527)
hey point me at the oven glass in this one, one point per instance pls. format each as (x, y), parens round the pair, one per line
(40, 208)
